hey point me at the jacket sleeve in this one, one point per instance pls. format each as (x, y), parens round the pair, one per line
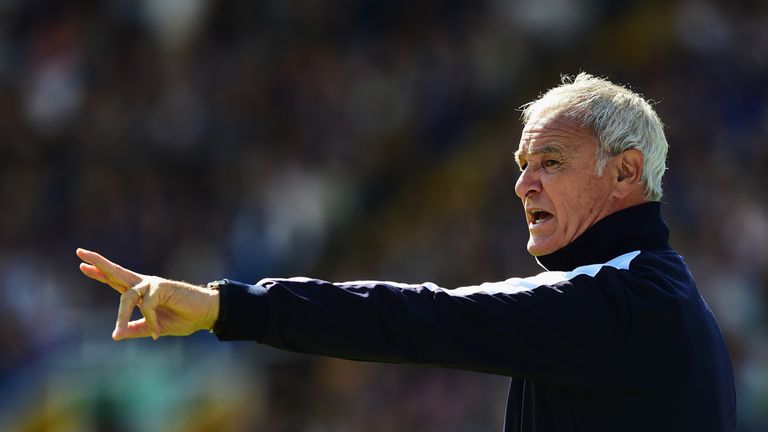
(565, 332)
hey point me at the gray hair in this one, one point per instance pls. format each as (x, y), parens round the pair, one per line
(619, 118)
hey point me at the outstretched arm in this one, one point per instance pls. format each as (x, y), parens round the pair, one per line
(170, 308)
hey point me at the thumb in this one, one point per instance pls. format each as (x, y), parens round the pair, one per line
(134, 329)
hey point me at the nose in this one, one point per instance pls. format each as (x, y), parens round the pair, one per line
(528, 183)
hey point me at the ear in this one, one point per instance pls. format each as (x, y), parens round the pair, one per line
(629, 172)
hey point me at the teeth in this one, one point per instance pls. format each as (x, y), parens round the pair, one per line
(537, 216)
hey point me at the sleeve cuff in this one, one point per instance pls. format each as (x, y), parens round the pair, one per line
(242, 311)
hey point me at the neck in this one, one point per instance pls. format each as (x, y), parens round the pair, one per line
(634, 228)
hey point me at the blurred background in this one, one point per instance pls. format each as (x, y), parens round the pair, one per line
(346, 139)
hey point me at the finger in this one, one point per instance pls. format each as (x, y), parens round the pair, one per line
(148, 306)
(128, 301)
(135, 329)
(112, 271)
(94, 273)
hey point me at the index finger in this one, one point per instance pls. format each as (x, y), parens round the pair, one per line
(111, 271)
(94, 273)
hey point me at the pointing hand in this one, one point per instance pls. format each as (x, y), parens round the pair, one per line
(170, 308)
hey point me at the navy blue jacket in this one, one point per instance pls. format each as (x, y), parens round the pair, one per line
(614, 336)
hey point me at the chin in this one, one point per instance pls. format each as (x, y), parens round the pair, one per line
(536, 250)
(540, 248)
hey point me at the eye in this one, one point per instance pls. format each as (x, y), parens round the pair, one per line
(523, 166)
(549, 163)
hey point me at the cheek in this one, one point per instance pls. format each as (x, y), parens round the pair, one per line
(578, 196)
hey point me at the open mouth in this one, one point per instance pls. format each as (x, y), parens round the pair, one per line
(539, 216)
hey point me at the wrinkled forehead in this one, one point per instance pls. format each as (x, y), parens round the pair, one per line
(553, 130)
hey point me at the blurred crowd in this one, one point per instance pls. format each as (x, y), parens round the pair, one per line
(348, 139)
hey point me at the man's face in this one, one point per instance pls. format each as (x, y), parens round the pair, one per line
(560, 190)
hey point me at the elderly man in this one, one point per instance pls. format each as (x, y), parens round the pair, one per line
(612, 336)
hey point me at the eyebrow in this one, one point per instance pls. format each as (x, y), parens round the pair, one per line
(547, 149)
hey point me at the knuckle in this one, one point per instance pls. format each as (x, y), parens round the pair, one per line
(132, 294)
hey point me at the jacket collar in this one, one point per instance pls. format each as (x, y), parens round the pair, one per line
(635, 228)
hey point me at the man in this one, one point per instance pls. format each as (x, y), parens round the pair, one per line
(613, 336)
